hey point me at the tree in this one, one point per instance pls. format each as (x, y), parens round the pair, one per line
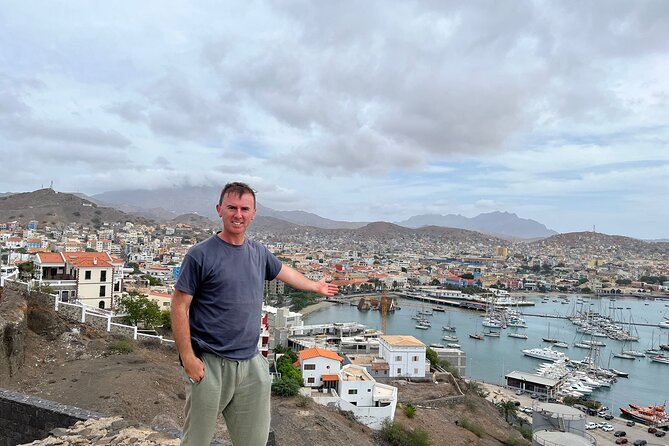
(153, 281)
(140, 309)
(435, 282)
(508, 407)
(27, 267)
(468, 276)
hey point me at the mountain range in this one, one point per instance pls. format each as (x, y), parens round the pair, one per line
(170, 202)
(49, 207)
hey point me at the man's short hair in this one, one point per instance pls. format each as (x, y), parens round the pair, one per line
(239, 189)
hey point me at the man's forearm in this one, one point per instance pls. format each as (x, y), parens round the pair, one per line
(296, 279)
(181, 328)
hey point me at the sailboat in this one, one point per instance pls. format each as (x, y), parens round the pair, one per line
(449, 326)
(548, 338)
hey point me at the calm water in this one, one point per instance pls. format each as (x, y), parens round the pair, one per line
(489, 360)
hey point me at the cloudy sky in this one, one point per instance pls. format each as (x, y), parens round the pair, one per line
(557, 111)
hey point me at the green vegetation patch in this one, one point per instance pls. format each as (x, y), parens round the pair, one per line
(396, 435)
(121, 346)
(472, 427)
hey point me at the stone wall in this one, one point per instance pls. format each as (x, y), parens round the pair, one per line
(96, 321)
(13, 326)
(24, 418)
(72, 312)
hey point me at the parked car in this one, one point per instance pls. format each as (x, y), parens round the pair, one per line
(590, 425)
(534, 396)
(621, 440)
(519, 392)
(640, 443)
(652, 430)
(630, 423)
(607, 428)
(608, 416)
(660, 433)
(620, 434)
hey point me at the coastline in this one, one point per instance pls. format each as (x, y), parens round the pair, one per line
(315, 307)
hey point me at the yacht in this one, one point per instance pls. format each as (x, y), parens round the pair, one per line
(546, 353)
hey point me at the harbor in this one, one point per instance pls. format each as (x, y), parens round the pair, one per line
(490, 358)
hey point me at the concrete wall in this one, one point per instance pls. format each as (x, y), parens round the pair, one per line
(24, 419)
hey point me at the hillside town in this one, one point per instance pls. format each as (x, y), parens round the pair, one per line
(98, 266)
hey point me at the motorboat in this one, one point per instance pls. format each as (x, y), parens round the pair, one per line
(476, 336)
(546, 353)
(452, 345)
(651, 415)
(517, 335)
(450, 338)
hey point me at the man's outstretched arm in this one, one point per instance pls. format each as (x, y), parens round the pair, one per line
(297, 280)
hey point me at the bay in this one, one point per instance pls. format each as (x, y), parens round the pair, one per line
(489, 360)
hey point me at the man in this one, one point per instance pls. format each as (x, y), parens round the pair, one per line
(216, 312)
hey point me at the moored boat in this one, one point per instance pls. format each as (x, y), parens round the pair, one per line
(476, 336)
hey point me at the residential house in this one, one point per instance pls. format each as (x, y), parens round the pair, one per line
(405, 355)
(370, 402)
(319, 367)
(93, 278)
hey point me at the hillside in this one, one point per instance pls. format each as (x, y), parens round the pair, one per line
(73, 364)
(595, 243)
(49, 207)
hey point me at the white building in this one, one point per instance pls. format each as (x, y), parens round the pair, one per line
(370, 402)
(280, 320)
(405, 355)
(319, 367)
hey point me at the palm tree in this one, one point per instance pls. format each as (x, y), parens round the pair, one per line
(509, 408)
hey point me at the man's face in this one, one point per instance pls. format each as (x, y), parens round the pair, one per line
(236, 212)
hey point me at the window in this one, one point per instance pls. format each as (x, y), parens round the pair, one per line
(399, 371)
(415, 371)
(414, 358)
(103, 276)
(101, 305)
(352, 391)
(87, 275)
(311, 380)
(103, 290)
(398, 358)
(309, 366)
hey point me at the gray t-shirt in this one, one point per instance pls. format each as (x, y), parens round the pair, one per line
(227, 284)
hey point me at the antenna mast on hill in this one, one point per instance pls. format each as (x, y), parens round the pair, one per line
(593, 228)
(51, 185)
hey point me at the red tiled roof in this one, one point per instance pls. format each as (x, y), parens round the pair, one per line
(330, 378)
(89, 259)
(315, 352)
(50, 257)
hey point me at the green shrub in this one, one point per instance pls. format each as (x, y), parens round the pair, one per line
(285, 387)
(472, 427)
(526, 432)
(122, 346)
(397, 435)
(409, 410)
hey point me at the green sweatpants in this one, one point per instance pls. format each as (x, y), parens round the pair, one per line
(240, 390)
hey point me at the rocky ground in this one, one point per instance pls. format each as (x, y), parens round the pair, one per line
(73, 364)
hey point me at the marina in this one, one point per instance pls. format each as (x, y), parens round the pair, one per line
(490, 359)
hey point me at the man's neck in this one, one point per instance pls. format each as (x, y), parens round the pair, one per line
(231, 239)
